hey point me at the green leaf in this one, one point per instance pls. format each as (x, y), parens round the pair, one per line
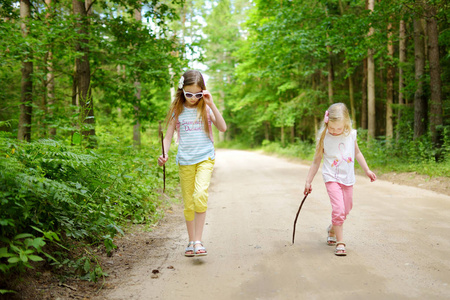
(4, 252)
(23, 257)
(51, 257)
(37, 229)
(35, 258)
(76, 138)
(38, 243)
(2, 292)
(23, 235)
(14, 260)
(87, 265)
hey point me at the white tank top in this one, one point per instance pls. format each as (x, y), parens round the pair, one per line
(339, 158)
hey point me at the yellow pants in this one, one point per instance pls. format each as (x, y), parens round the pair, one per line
(195, 181)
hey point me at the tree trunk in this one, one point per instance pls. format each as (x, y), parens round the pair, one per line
(350, 81)
(51, 91)
(83, 69)
(352, 98)
(50, 75)
(40, 120)
(267, 130)
(420, 104)
(221, 103)
(330, 77)
(137, 124)
(435, 77)
(293, 134)
(371, 83)
(26, 99)
(330, 69)
(364, 96)
(390, 85)
(401, 79)
(137, 106)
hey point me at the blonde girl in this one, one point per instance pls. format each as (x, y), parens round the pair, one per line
(337, 145)
(191, 115)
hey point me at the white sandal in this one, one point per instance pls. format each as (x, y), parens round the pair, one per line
(190, 247)
(199, 249)
(331, 240)
(340, 249)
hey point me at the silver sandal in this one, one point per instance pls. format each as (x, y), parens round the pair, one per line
(197, 249)
(331, 240)
(190, 247)
(340, 248)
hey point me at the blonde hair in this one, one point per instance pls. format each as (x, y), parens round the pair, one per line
(191, 77)
(336, 112)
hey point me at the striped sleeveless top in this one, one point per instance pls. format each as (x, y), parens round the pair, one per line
(195, 145)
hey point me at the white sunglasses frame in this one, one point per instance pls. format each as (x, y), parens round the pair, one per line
(193, 95)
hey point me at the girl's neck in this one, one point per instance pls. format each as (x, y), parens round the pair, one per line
(190, 106)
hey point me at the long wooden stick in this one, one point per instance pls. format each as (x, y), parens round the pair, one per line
(164, 166)
(296, 217)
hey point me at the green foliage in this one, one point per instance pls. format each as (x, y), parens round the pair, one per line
(23, 249)
(78, 194)
(407, 155)
(404, 156)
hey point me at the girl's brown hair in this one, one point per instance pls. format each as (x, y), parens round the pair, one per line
(191, 77)
(336, 112)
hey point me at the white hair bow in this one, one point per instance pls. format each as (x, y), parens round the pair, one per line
(181, 82)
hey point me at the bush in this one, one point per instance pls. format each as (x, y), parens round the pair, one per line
(60, 192)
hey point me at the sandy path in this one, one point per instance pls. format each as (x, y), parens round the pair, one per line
(397, 241)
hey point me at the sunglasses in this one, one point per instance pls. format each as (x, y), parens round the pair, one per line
(192, 95)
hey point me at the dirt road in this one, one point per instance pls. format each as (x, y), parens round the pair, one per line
(397, 241)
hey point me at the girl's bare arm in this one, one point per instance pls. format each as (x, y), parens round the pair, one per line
(216, 117)
(313, 171)
(167, 141)
(362, 162)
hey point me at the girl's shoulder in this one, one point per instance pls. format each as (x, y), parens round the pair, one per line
(353, 134)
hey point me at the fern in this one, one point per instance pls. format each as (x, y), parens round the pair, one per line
(79, 194)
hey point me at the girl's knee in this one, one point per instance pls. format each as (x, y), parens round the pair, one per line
(338, 222)
(338, 218)
(189, 214)
(201, 211)
(201, 206)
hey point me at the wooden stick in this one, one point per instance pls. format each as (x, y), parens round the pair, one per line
(164, 166)
(296, 217)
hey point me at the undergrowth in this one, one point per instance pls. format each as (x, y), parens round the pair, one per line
(60, 197)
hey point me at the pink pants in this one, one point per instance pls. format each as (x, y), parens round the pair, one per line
(341, 198)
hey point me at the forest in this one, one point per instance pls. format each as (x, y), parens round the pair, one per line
(85, 86)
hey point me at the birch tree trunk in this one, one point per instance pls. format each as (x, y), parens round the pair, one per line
(26, 98)
(364, 96)
(330, 77)
(371, 83)
(221, 102)
(350, 80)
(420, 104)
(50, 75)
(82, 77)
(137, 106)
(390, 85)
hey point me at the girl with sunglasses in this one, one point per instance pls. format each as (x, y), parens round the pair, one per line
(191, 114)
